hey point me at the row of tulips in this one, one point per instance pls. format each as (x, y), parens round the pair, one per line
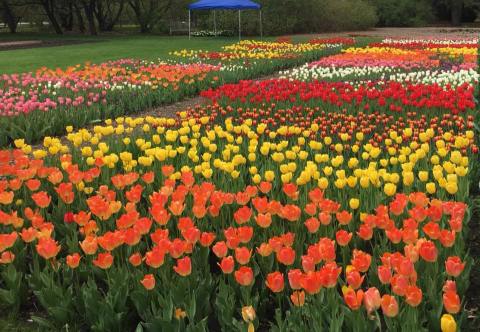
(33, 105)
(155, 224)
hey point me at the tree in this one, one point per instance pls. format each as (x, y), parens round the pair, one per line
(9, 16)
(108, 12)
(148, 12)
(50, 9)
(89, 8)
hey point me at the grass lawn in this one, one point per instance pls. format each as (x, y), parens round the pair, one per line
(99, 49)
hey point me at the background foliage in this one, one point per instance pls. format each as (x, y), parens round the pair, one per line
(280, 16)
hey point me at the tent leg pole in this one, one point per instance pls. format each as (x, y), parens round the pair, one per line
(189, 24)
(215, 22)
(261, 25)
(239, 25)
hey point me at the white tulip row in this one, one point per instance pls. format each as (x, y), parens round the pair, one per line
(470, 41)
(309, 72)
(366, 73)
(454, 78)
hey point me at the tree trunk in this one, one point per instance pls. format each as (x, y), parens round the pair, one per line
(80, 22)
(89, 13)
(9, 17)
(456, 12)
(49, 6)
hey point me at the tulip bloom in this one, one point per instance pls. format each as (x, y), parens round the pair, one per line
(275, 282)
(7, 257)
(148, 281)
(451, 302)
(413, 295)
(242, 255)
(286, 256)
(447, 323)
(227, 264)
(454, 266)
(135, 259)
(41, 199)
(184, 266)
(298, 298)
(220, 249)
(428, 251)
(47, 248)
(294, 278)
(244, 276)
(104, 260)
(73, 260)
(389, 306)
(372, 300)
(352, 299)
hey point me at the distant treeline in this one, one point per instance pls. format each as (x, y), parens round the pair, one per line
(279, 16)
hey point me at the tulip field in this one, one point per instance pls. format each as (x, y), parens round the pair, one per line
(335, 195)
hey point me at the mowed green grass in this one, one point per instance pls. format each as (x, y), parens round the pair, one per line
(99, 49)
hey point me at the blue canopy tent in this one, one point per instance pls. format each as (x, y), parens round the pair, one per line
(225, 5)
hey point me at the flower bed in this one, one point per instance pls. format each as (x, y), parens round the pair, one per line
(282, 204)
(33, 105)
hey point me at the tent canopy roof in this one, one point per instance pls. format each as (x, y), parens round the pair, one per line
(224, 4)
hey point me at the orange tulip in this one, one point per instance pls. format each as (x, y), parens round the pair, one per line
(290, 212)
(111, 240)
(389, 306)
(451, 302)
(7, 257)
(184, 266)
(244, 234)
(343, 217)
(361, 260)
(352, 299)
(264, 220)
(148, 281)
(311, 282)
(244, 276)
(155, 258)
(275, 282)
(264, 250)
(372, 300)
(428, 251)
(6, 197)
(242, 215)
(220, 249)
(28, 234)
(104, 260)
(135, 259)
(298, 298)
(294, 278)
(89, 245)
(227, 264)
(33, 184)
(354, 278)
(65, 192)
(343, 237)
(290, 189)
(454, 266)
(47, 248)
(286, 256)
(73, 260)
(41, 199)
(7, 240)
(242, 255)
(206, 239)
(312, 225)
(413, 296)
